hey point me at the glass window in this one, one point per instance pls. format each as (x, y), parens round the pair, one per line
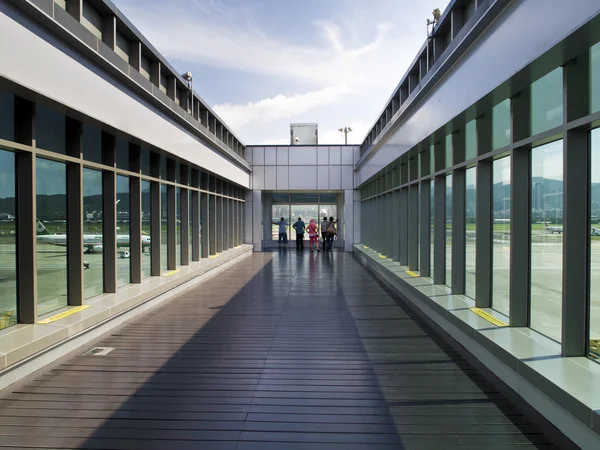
(419, 227)
(277, 212)
(7, 116)
(92, 233)
(471, 229)
(51, 248)
(191, 225)
(8, 256)
(178, 224)
(432, 225)
(301, 198)
(594, 78)
(501, 124)
(145, 161)
(92, 143)
(470, 140)
(163, 227)
(280, 198)
(595, 246)
(146, 221)
(449, 230)
(547, 238)
(547, 102)
(432, 159)
(501, 237)
(50, 129)
(122, 153)
(123, 232)
(449, 151)
(328, 198)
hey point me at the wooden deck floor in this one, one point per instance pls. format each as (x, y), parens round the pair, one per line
(281, 351)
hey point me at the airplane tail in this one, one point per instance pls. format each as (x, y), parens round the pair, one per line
(41, 230)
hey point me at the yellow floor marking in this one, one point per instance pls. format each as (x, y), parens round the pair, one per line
(364, 246)
(487, 316)
(64, 314)
(382, 256)
(172, 272)
(412, 274)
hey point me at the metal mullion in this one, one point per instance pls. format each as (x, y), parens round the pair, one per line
(425, 241)
(155, 228)
(171, 227)
(195, 211)
(404, 258)
(413, 231)
(185, 226)
(109, 230)
(439, 232)
(135, 228)
(75, 293)
(484, 234)
(458, 231)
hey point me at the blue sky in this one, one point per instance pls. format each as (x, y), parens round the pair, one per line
(262, 64)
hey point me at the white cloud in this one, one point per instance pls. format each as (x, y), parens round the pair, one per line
(359, 55)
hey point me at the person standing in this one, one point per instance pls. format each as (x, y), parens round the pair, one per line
(330, 233)
(313, 235)
(324, 232)
(299, 226)
(283, 237)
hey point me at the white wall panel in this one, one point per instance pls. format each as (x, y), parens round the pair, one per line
(282, 156)
(283, 178)
(323, 177)
(256, 216)
(348, 219)
(347, 177)
(303, 156)
(33, 57)
(303, 177)
(258, 158)
(258, 177)
(270, 177)
(335, 177)
(323, 155)
(335, 156)
(270, 156)
(348, 156)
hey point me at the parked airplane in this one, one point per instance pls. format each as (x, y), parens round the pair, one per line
(91, 242)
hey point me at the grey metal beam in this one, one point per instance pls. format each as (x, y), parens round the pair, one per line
(520, 237)
(484, 234)
(204, 226)
(26, 237)
(109, 32)
(109, 215)
(185, 227)
(425, 239)
(75, 8)
(219, 224)
(413, 228)
(135, 229)
(195, 211)
(389, 229)
(171, 228)
(395, 215)
(404, 226)
(458, 231)
(439, 232)
(212, 224)
(155, 228)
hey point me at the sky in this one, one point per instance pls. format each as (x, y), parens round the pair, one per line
(263, 64)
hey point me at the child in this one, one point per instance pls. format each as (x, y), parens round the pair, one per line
(313, 235)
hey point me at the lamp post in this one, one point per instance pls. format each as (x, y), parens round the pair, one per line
(345, 130)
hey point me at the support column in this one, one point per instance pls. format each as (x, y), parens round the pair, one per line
(425, 240)
(576, 216)
(404, 200)
(413, 229)
(171, 228)
(75, 293)
(484, 234)
(109, 214)
(439, 233)
(395, 214)
(389, 226)
(458, 231)
(195, 210)
(155, 225)
(185, 227)
(212, 224)
(219, 224)
(204, 225)
(520, 237)
(135, 230)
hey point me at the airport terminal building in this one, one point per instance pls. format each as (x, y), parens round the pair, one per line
(475, 195)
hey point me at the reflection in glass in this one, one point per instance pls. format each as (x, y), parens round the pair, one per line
(547, 238)
(7, 116)
(547, 102)
(92, 233)
(419, 227)
(178, 225)
(146, 221)
(501, 236)
(595, 78)
(8, 256)
(51, 248)
(471, 229)
(470, 140)
(163, 228)
(92, 143)
(448, 230)
(501, 124)
(123, 232)
(50, 129)
(449, 151)
(594, 332)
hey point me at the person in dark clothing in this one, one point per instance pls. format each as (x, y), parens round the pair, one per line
(330, 233)
(299, 226)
